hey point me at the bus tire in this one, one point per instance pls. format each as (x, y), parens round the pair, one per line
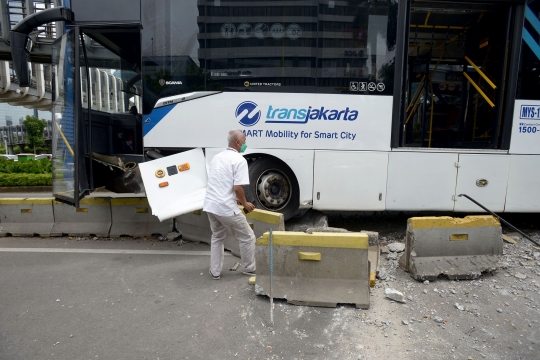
(273, 187)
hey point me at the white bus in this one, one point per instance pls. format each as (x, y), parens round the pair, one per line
(361, 105)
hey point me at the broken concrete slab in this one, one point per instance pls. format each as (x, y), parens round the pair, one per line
(311, 219)
(453, 247)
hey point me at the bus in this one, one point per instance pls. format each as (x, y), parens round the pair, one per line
(359, 105)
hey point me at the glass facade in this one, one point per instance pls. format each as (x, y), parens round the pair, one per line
(308, 46)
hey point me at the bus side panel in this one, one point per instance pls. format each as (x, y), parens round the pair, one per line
(350, 180)
(300, 162)
(421, 181)
(523, 194)
(473, 169)
(274, 120)
(526, 128)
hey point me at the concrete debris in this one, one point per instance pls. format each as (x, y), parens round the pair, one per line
(394, 295)
(382, 275)
(426, 282)
(311, 219)
(425, 291)
(391, 256)
(508, 239)
(499, 310)
(384, 250)
(174, 235)
(235, 266)
(404, 322)
(438, 319)
(520, 276)
(459, 307)
(396, 247)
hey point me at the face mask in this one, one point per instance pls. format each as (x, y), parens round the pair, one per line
(243, 147)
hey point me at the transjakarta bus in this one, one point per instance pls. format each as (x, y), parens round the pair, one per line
(361, 105)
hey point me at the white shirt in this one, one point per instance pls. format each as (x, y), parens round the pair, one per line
(228, 168)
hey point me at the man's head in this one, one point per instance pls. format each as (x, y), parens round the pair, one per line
(235, 139)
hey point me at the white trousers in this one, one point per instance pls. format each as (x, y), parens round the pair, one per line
(239, 228)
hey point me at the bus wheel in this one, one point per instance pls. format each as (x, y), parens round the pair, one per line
(273, 187)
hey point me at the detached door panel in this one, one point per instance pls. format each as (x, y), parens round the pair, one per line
(484, 178)
(349, 180)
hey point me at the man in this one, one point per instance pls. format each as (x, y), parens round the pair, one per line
(227, 173)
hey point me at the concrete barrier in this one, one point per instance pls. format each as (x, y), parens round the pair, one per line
(319, 269)
(93, 217)
(195, 226)
(133, 217)
(454, 247)
(26, 216)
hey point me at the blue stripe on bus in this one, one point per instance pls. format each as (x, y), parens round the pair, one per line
(529, 15)
(149, 121)
(532, 43)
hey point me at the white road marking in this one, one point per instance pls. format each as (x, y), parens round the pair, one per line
(110, 251)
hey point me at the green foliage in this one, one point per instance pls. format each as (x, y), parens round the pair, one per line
(34, 131)
(41, 166)
(25, 179)
(16, 149)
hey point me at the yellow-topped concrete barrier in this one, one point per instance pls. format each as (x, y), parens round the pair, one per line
(26, 216)
(92, 217)
(458, 248)
(319, 269)
(133, 217)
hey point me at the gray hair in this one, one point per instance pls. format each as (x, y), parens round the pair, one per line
(234, 135)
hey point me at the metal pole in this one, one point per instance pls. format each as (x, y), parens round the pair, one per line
(271, 279)
(500, 218)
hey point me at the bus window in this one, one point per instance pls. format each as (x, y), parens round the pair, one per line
(344, 47)
(529, 74)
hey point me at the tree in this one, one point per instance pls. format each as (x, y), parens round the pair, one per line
(34, 131)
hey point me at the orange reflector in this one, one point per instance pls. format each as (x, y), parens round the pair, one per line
(163, 184)
(141, 210)
(26, 211)
(81, 210)
(183, 167)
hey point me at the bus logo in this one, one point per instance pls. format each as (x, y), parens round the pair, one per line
(246, 113)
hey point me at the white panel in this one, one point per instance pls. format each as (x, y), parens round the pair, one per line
(186, 189)
(300, 162)
(526, 127)
(494, 169)
(282, 121)
(523, 194)
(350, 180)
(421, 181)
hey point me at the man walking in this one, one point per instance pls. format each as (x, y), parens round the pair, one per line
(227, 173)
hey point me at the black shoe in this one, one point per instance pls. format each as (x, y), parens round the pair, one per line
(249, 273)
(213, 276)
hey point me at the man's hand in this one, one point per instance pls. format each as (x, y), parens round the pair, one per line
(249, 207)
(241, 197)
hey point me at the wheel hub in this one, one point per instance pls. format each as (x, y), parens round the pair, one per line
(273, 190)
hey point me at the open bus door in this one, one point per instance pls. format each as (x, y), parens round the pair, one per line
(70, 180)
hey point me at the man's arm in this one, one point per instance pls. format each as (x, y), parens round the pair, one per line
(239, 191)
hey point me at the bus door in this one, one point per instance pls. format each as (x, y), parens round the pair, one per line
(69, 175)
(456, 74)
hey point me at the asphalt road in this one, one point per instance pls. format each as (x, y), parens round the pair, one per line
(68, 299)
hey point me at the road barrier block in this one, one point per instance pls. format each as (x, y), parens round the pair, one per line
(319, 269)
(92, 217)
(133, 217)
(26, 216)
(195, 226)
(454, 247)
